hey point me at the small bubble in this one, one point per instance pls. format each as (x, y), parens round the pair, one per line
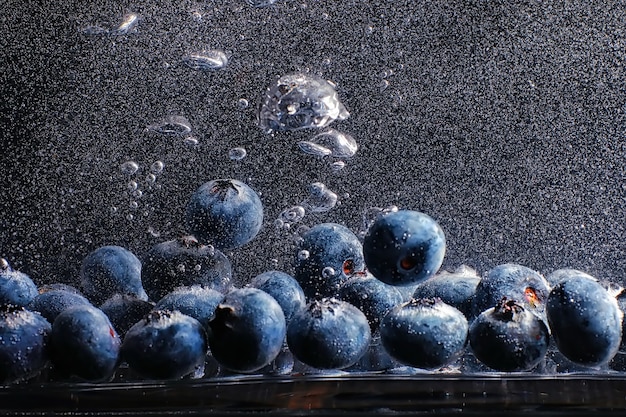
(150, 178)
(260, 3)
(181, 267)
(303, 254)
(137, 193)
(209, 60)
(128, 25)
(190, 141)
(242, 103)
(210, 250)
(274, 262)
(153, 232)
(132, 186)
(133, 205)
(237, 154)
(320, 199)
(171, 125)
(129, 167)
(382, 86)
(278, 223)
(113, 210)
(293, 214)
(341, 145)
(328, 272)
(4, 264)
(129, 216)
(157, 167)
(197, 268)
(312, 148)
(337, 166)
(369, 29)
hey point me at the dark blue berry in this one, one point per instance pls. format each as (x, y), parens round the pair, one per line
(370, 295)
(16, 287)
(24, 337)
(197, 302)
(453, 288)
(327, 256)
(248, 330)
(124, 311)
(508, 337)
(404, 247)
(424, 333)
(84, 344)
(329, 334)
(585, 320)
(165, 345)
(284, 288)
(225, 213)
(184, 262)
(51, 303)
(110, 270)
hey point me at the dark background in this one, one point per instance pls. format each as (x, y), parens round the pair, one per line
(503, 120)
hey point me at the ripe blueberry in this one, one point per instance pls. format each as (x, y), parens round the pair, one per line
(51, 303)
(16, 287)
(225, 213)
(404, 247)
(124, 311)
(284, 288)
(195, 301)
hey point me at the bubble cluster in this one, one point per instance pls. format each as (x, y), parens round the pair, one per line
(208, 60)
(300, 101)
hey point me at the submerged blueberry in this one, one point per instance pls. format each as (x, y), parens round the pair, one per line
(184, 262)
(195, 301)
(329, 334)
(424, 333)
(165, 345)
(16, 287)
(110, 270)
(284, 288)
(24, 338)
(51, 303)
(333, 254)
(248, 330)
(404, 247)
(124, 311)
(508, 337)
(225, 213)
(84, 344)
(585, 320)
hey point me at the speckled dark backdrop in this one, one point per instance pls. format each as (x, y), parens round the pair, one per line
(504, 120)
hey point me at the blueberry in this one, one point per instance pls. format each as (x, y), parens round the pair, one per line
(225, 213)
(124, 311)
(585, 320)
(58, 286)
(24, 337)
(327, 256)
(16, 287)
(165, 345)
(184, 262)
(453, 288)
(329, 334)
(51, 303)
(424, 333)
(248, 330)
(84, 344)
(284, 288)
(404, 247)
(509, 337)
(197, 302)
(110, 270)
(370, 295)
(515, 282)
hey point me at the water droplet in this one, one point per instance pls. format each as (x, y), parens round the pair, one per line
(341, 145)
(132, 186)
(190, 141)
(171, 125)
(208, 60)
(129, 167)
(320, 199)
(337, 166)
(303, 254)
(300, 101)
(157, 167)
(260, 3)
(312, 148)
(129, 24)
(242, 103)
(328, 272)
(150, 178)
(237, 154)
(293, 214)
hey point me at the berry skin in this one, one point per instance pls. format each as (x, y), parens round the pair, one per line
(329, 334)
(84, 344)
(51, 303)
(327, 256)
(453, 288)
(225, 213)
(197, 302)
(508, 337)
(16, 287)
(110, 270)
(248, 330)
(24, 348)
(124, 311)
(184, 262)
(424, 333)
(370, 295)
(285, 290)
(585, 320)
(165, 345)
(404, 247)
(515, 282)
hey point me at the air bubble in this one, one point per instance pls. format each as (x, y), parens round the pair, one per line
(171, 125)
(131, 186)
(383, 85)
(113, 210)
(260, 3)
(197, 268)
(315, 149)
(278, 223)
(209, 60)
(150, 178)
(320, 199)
(337, 166)
(190, 141)
(157, 167)
(128, 25)
(210, 250)
(300, 101)
(129, 216)
(303, 254)
(133, 205)
(242, 103)
(129, 167)
(4, 265)
(341, 145)
(137, 193)
(153, 232)
(237, 154)
(328, 272)
(181, 268)
(292, 215)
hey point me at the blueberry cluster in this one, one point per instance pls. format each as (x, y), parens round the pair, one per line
(176, 314)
